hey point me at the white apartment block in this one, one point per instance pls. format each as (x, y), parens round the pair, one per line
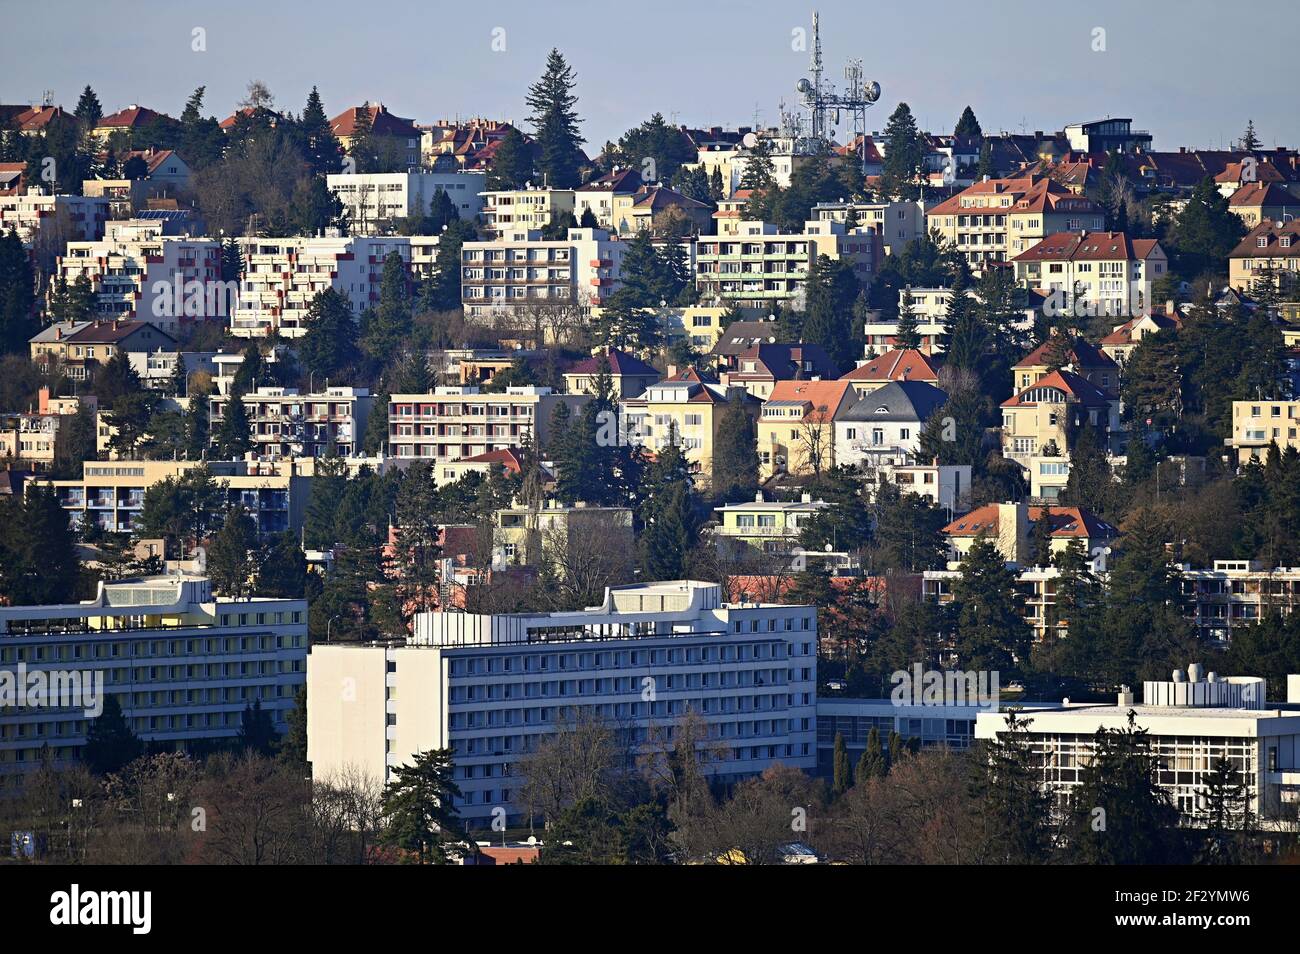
(1086, 274)
(283, 275)
(138, 272)
(1193, 720)
(53, 219)
(183, 665)
(759, 265)
(521, 270)
(1237, 593)
(110, 494)
(944, 485)
(453, 423)
(374, 201)
(492, 688)
(286, 423)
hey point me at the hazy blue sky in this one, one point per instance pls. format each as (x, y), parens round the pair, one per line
(1183, 70)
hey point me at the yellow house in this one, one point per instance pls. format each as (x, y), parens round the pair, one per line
(796, 433)
(772, 526)
(1270, 244)
(523, 535)
(686, 408)
(525, 209)
(1010, 527)
(1084, 359)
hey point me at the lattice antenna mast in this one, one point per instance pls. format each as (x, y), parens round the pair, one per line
(821, 100)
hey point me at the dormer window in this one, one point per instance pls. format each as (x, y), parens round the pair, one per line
(1261, 242)
(1285, 241)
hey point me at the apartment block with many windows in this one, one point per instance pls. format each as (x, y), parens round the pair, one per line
(285, 423)
(453, 423)
(492, 688)
(182, 663)
(520, 270)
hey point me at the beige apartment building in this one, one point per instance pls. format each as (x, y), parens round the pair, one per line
(513, 210)
(110, 494)
(1085, 274)
(1257, 424)
(523, 535)
(998, 219)
(453, 423)
(1274, 245)
(796, 432)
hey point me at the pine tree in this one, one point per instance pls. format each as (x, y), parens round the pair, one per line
(968, 126)
(907, 336)
(419, 805)
(322, 146)
(831, 289)
(872, 764)
(392, 322)
(965, 338)
(1228, 818)
(555, 123)
(234, 436)
(735, 453)
(362, 148)
(668, 516)
(1249, 140)
(230, 562)
(256, 730)
(88, 110)
(329, 343)
(1009, 787)
(991, 635)
(18, 320)
(110, 743)
(904, 155)
(843, 778)
(512, 163)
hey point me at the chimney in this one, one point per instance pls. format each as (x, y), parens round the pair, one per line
(43, 399)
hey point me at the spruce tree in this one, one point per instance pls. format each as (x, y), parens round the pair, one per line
(88, 111)
(555, 123)
(843, 778)
(230, 562)
(968, 126)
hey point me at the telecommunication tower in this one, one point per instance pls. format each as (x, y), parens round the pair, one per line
(825, 106)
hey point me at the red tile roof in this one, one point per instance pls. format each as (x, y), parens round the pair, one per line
(1089, 246)
(825, 397)
(1066, 523)
(1082, 354)
(382, 122)
(1261, 194)
(1079, 388)
(133, 117)
(896, 365)
(1272, 233)
(1028, 194)
(619, 363)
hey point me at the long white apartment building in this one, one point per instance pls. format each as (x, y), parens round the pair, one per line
(1237, 593)
(1193, 720)
(282, 276)
(53, 219)
(453, 423)
(375, 201)
(492, 688)
(287, 423)
(136, 271)
(182, 663)
(521, 270)
(760, 265)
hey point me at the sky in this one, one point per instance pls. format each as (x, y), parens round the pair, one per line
(1182, 70)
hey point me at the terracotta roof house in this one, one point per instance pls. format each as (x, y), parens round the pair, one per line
(898, 364)
(629, 375)
(796, 432)
(1119, 344)
(1010, 527)
(1082, 357)
(133, 117)
(1271, 244)
(1256, 202)
(13, 178)
(383, 125)
(30, 120)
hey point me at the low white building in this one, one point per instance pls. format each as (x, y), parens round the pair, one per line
(182, 663)
(491, 688)
(52, 220)
(374, 201)
(1193, 721)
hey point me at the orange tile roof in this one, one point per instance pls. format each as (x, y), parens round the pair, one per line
(1066, 522)
(900, 364)
(1077, 387)
(826, 397)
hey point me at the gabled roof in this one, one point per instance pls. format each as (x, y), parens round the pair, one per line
(153, 158)
(1263, 193)
(782, 362)
(1272, 233)
(740, 336)
(32, 119)
(1081, 354)
(654, 198)
(1123, 334)
(1089, 246)
(133, 117)
(111, 332)
(619, 363)
(824, 400)
(1079, 388)
(1066, 522)
(1027, 193)
(1265, 171)
(58, 331)
(900, 401)
(622, 181)
(899, 364)
(382, 122)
